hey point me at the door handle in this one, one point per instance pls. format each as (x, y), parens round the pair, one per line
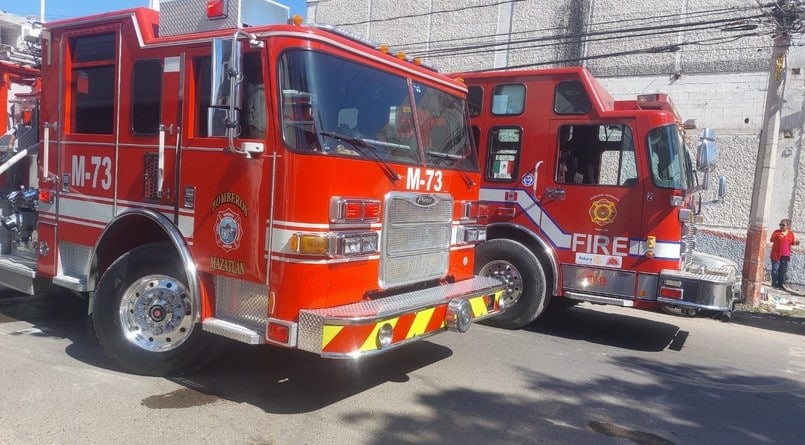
(536, 171)
(555, 193)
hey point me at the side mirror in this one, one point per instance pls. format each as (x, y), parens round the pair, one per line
(225, 91)
(722, 187)
(706, 156)
(225, 64)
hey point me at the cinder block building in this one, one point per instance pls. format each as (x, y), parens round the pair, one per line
(712, 57)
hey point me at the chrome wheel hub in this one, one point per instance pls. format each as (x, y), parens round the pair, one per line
(510, 276)
(156, 313)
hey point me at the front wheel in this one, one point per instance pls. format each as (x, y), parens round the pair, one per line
(144, 316)
(526, 296)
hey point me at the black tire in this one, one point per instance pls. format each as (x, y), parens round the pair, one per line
(680, 311)
(143, 315)
(526, 295)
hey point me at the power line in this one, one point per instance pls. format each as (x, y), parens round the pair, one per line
(586, 37)
(424, 14)
(666, 16)
(732, 19)
(649, 50)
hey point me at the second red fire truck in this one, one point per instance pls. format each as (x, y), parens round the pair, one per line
(202, 174)
(591, 199)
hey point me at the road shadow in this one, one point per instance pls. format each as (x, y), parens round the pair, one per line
(276, 380)
(59, 314)
(622, 331)
(283, 381)
(770, 322)
(649, 403)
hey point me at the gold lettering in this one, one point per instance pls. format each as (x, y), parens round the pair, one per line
(234, 267)
(230, 198)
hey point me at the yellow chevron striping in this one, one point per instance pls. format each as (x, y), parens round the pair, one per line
(478, 306)
(371, 342)
(329, 334)
(420, 323)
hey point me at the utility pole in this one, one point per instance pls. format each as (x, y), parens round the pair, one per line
(786, 13)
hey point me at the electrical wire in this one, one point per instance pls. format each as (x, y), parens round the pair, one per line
(620, 21)
(558, 39)
(761, 22)
(425, 14)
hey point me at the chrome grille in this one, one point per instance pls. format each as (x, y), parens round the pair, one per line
(689, 230)
(415, 242)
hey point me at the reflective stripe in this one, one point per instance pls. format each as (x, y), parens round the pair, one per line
(420, 323)
(478, 306)
(329, 333)
(555, 234)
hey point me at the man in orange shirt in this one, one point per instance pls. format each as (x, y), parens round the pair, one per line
(782, 240)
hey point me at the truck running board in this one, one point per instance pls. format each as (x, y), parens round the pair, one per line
(18, 272)
(599, 299)
(233, 331)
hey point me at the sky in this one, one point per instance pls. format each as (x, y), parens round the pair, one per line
(62, 9)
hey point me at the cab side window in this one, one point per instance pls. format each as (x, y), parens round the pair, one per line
(475, 98)
(146, 95)
(92, 83)
(202, 75)
(508, 100)
(252, 117)
(505, 144)
(571, 98)
(596, 154)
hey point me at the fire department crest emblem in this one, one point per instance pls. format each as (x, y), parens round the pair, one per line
(603, 212)
(228, 230)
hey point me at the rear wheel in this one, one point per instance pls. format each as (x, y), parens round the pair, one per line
(144, 315)
(525, 297)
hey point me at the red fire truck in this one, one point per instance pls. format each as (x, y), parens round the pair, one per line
(591, 199)
(204, 175)
(19, 83)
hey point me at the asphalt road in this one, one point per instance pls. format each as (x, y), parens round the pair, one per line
(590, 374)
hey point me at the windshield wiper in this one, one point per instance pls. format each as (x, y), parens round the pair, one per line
(453, 157)
(439, 154)
(360, 143)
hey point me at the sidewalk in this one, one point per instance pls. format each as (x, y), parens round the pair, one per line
(789, 302)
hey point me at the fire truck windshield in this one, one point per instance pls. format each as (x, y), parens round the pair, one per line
(667, 153)
(335, 106)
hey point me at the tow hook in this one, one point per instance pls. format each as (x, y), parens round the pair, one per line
(459, 316)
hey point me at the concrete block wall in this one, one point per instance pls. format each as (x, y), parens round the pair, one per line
(714, 75)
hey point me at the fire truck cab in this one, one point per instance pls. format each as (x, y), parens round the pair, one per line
(204, 172)
(591, 199)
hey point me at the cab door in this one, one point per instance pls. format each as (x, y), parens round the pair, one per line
(223, 194)
(591, 199)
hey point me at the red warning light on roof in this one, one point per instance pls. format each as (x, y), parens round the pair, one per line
(216, 9)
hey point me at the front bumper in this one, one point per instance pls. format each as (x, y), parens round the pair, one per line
(361, 329)
(710, 282)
